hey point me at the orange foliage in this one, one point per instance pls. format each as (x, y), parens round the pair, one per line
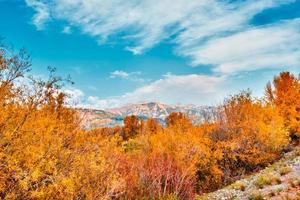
(285, 96)
(131, 128)
(249, 133)
(45, 155)
(178, 121)
(152, 126)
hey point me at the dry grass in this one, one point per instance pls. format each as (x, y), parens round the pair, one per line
(266, 179)
(239, 185)
(292, 183)
(285, 170)
(255, 196)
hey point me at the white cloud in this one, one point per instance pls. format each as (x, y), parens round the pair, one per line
(211, 32)
(207, 31)
(75, 96)
(273, 46)
(172, 89)
(42, 14)
(132, 76)
(119, 73)
(195, 89)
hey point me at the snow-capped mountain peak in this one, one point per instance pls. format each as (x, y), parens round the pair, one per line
(159, 111)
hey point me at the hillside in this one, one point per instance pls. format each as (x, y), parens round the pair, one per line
(280, 180)
(112, 117)
(91, 118)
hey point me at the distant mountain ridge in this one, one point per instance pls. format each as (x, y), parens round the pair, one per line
(112, 117)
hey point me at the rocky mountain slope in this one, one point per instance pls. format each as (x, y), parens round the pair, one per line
(279, 181)
(91, 118)
(112, 117)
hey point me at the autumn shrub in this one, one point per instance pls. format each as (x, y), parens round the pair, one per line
(160, 176)
(166, 166)
(284, 95)
(44, 153)
(153, 126)
(178, 121)
(250, 135)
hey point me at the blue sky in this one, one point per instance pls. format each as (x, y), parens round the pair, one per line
(119, 52)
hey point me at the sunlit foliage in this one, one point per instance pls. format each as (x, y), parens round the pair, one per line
(44, 154)
(284, 94)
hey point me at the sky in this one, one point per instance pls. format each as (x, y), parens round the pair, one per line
(170, 51)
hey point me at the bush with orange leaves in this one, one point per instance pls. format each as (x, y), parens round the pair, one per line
(249, 133)
(168, 163)
(45, 155)
(284, 95)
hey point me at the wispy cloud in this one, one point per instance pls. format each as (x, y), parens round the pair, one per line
(271, 46)
(212, 32)
(42, 14)
(132, 76)
(119, 73)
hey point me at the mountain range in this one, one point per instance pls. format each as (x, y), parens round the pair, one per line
(92, 118)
